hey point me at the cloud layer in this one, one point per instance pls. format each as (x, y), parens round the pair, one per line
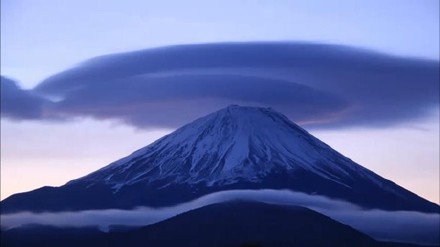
(17, 103)
(316, 85)
(405, 226)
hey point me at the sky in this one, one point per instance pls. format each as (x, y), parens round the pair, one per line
(361, 76)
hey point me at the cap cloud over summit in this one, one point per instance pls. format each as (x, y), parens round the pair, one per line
(316, 85)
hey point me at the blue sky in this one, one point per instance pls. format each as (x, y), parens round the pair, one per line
(43, 38)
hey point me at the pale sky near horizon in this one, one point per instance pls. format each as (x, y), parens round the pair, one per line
(40, 38)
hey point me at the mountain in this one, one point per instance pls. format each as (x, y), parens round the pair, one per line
(236, 223)
(233, 148)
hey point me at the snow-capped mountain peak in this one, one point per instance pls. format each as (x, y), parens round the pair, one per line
(233, 144)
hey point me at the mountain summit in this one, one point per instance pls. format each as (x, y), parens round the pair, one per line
(233, 148)
(231, 145)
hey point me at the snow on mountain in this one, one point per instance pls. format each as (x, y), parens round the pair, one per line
(235, 143)
(233, 148)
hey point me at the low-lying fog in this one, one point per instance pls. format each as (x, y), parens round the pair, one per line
(403, 226)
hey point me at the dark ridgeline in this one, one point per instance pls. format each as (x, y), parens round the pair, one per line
(231, 224)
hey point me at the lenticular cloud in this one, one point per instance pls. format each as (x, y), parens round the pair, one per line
(316, 85)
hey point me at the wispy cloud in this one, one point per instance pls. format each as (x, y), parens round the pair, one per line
(405, 226)
(17, 103)
(314, 84)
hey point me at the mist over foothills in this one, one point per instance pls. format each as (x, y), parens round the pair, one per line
(404, 226)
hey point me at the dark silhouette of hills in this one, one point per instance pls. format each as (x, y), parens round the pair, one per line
(230, 224)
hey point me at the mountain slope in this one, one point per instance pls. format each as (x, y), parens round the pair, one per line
(218, 225)
(235, 223)
(233, 148)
